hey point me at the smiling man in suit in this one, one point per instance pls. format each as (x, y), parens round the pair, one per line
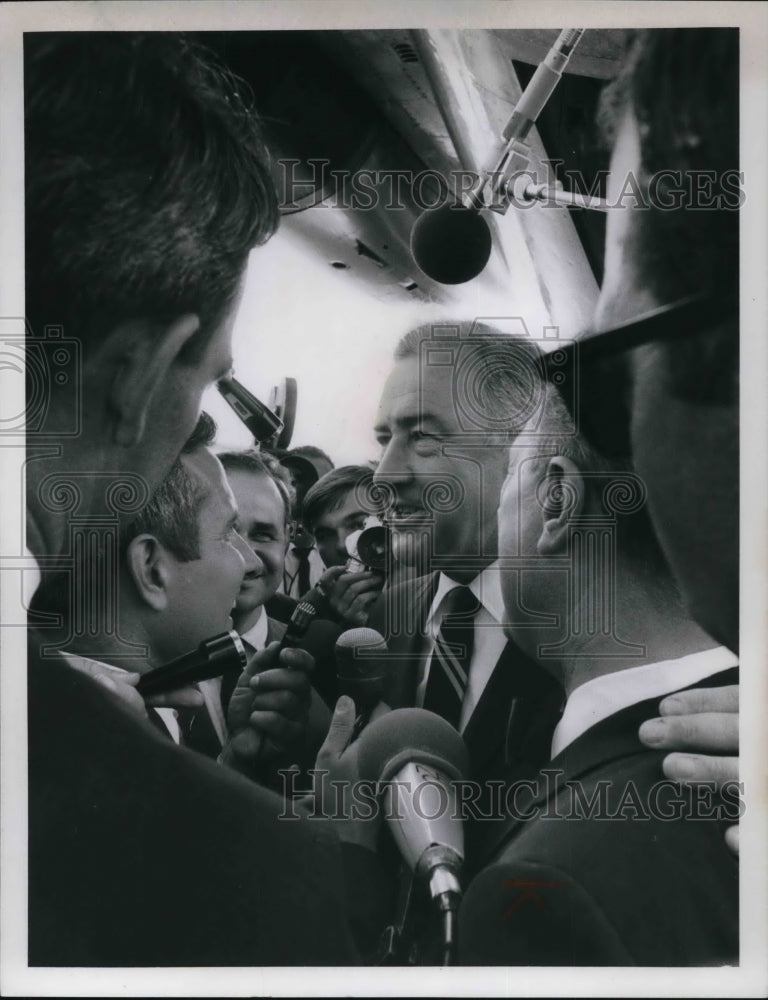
(455, 399)
(264, 499)
(183, 570)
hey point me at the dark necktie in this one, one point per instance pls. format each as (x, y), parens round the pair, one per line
(303, 572)
(449, 665)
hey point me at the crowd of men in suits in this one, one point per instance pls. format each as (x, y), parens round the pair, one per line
(552, 586)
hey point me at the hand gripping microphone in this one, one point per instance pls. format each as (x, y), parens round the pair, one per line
(418, 756)
(452, 244)
(211, 659)
(361, 668)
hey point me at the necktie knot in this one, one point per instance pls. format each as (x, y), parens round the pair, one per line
(459, 607)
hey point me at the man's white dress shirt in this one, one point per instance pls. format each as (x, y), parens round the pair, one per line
(596, 699)
(489, 640)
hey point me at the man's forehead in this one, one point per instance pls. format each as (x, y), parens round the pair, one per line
(203, 465)
(256, 490)
(416, 388)
(349, 506)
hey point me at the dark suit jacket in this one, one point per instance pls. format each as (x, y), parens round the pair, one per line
(144, 853)
(599, 891)
(492, 734)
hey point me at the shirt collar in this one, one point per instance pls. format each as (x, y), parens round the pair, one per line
(596, 699)
(256, 635)
(486, 587)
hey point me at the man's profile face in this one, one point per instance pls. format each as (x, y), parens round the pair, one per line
(688, 456)
(686, 453)
(332, 528)
(262, 523)
(202, 592)
(456, 485)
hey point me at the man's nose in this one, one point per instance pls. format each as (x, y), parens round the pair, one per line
(251, 560)
(341, 544)
(394, 466)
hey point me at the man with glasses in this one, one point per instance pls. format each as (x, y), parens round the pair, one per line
(657, 379)
(673, 112)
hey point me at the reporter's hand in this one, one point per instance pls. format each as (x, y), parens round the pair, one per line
(704, 721)
(336, 773)
(350, 595)
(269, 706)
(123, 684)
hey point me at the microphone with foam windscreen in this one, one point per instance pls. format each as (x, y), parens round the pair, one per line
(418, 756)
(452, 244)
(361, 669)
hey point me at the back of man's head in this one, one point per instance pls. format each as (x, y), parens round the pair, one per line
(611, 489)
(173, 510)
(146, 183)
(681, 86)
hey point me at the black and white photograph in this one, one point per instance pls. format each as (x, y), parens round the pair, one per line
(384, 461)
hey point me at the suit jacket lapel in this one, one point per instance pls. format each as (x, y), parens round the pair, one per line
(405, 637)
(611, 739)
(516, 713)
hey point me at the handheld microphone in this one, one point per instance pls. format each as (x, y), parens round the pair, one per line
(418, 755)
(361, 677)
(452, 244)
(258, 418)
(303, 615)
(211, 659)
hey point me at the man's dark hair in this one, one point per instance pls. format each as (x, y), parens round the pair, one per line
(172, 513)
(332, 489)
(309, 451)
(682, 85)
(146, 182)
(262, 464)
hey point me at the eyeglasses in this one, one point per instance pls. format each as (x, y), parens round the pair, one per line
(683, 318)
(592, 373)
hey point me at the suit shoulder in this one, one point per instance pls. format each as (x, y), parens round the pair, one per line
(520, 911)
(630, 839)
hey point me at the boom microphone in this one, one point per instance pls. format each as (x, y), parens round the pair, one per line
(452, 244)
(211, 659)
(419, 755)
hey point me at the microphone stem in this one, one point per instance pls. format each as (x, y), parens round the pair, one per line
(448, 904)
(445, 890)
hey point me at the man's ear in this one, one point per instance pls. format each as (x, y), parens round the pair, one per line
(149, 568)
(563, 493)
(144, 354)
